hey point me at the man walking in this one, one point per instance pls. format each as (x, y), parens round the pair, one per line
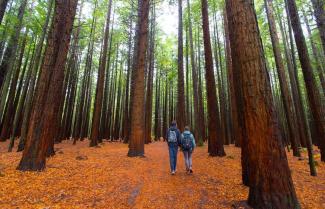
(173, 139)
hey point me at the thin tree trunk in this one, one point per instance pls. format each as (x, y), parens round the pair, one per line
(294, 136)
(316, 106)
(315, 54)
(234, 108)
(32, 81)
(320, 19)
(148, 109)
(181, 111)
(94, 137)
(215, 139)
(10, 54)
(197, 116)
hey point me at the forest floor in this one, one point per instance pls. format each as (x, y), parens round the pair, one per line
(104, 177)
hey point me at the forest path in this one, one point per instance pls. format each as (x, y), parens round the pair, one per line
(106, 178)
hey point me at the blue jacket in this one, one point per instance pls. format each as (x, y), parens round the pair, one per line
(178, 135)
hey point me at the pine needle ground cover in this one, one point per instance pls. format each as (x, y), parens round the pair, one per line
(104, 177)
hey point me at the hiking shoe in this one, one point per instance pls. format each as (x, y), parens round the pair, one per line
(173, 173)
(191, 171)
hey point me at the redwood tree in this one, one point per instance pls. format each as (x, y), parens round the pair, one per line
(94, 137)
(181, 93)
(287, 100)
(44, 115)
(215, 141)
(270, 181)
(316, 106)
(136, 146)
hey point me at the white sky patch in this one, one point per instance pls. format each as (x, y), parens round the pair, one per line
(167, 18)
(87, 10)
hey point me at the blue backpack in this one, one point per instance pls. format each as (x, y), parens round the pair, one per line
(187, 143)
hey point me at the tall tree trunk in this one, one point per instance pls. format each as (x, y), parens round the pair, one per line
(315, 54)
(216, 142)
(264, 145)
(200, 92)
(319, 12)
(165, 119)
(287, 100)
(136, 146)
(197, 116)
(236, 128)
(148, 119)
(19, 101)
(105, 116)
(187, 96)
(10, 53)
(44, 113)
(126, 121)
(81, 108)
(32, 80)
(100, 83)
(181, 114)
(316, 106)
(10, 112)
(222, 104)
(157, 106)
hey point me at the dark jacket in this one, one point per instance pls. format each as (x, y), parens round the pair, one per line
(178, 135)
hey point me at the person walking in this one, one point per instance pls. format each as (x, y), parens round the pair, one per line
(188, 145)
(173, 137)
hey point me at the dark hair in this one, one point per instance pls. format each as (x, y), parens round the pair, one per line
(187, 128)
(174, 123)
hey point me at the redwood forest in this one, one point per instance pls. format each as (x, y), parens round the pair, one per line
(108, 103)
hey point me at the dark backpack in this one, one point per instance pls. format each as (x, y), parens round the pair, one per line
(187, 144)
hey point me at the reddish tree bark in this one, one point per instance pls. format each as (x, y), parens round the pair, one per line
(270, 181)
(216, 143)
(43, 120)
(94, 137)
(148, 109)
(197, 116)
(181, 111)
(316, 106)
(287, 100)
(136, 146)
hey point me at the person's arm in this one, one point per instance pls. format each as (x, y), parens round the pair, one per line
(179, 138)
(193, 139)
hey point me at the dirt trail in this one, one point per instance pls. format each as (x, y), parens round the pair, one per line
(107, 178)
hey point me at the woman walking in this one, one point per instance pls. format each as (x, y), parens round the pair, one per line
(188, 146)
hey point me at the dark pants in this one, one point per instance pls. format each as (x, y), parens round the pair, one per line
(173, 157)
